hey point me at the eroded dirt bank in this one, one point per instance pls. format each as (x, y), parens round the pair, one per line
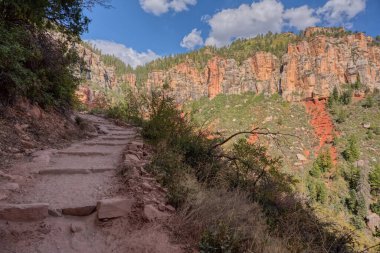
(323, 125)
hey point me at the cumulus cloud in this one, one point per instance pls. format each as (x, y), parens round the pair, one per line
(126, 54)
(192, 40)
(263, 16)
(245, 21)
(339, 12)
(158, 7)
(301, 17)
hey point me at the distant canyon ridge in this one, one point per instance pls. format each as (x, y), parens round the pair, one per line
(311, 66)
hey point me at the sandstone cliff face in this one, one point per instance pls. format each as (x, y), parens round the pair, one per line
(259, 73)
(315, 67)
(310, 68)
(98, 79)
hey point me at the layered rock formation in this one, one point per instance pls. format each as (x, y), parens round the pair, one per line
(98, 78)
(314, 67)
(323, 59)
(259, 73)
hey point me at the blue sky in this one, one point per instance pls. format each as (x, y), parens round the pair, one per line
(138, 31)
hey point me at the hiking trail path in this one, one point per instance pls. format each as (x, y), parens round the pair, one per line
(75, 200)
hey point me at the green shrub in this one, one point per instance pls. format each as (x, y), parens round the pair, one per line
(33, 63)
(168, 166)
(317, 190)
(219, 240)
(322, 164)
(346, 97)
(376, 130)
(374, 179)
(369, 134)
(252, 170)
(356, 204)
(341, 116)
(352, 152)
(368, 102)
(357, 222)
(352, 175)
(375, 207)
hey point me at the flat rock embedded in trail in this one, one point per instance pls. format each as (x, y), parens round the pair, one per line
(85, 205)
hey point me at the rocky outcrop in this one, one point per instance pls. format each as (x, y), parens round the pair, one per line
(325, 58)
(315, 66)
(98, 78)
(259, 73)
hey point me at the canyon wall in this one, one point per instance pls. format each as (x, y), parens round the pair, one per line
(311, 67)
(98, 79)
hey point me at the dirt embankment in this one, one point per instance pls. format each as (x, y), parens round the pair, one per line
(323, 125)
(26, 128)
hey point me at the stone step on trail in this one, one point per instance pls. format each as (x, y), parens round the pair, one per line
(124, 134)
(70, 190)
(70, 171)
(79, 210)
(116, 139)
(108, 144)
(83, 153)
(86, 162)
(24, 212)
(109, 149)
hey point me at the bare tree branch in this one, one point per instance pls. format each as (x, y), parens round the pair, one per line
(257, 131)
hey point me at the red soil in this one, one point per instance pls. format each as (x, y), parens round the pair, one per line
(322, 124)
(253, 138)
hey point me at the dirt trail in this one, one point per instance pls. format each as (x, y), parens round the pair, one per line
(322, 124)
(77, 203)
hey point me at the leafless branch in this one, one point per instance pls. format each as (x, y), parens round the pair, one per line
(256, 131)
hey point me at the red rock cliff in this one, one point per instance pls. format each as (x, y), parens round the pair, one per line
(311, 67)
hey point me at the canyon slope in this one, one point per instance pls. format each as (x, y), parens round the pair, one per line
(308, 65)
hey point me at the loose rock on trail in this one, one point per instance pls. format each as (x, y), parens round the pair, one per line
(74, 200)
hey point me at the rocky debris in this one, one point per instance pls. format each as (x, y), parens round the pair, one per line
(301, 158)
(14, 178)
(361, 163)
(3, 195)
(151, 213)
(373, 222)
(24, 212)
(79, 211)
(76, 228)
(113, 208)
(367, 125)
(55, 212)
(9, 186)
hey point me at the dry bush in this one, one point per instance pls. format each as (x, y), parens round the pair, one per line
(244, 219)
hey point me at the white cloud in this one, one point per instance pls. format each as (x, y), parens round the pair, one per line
(192, 40)
(127, 55)
(339, 12)
(263, 16)
(245, 21)
(301, 17)
(158, 7)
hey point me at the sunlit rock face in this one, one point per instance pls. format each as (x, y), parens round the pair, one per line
(315, 66)
(311, 67)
